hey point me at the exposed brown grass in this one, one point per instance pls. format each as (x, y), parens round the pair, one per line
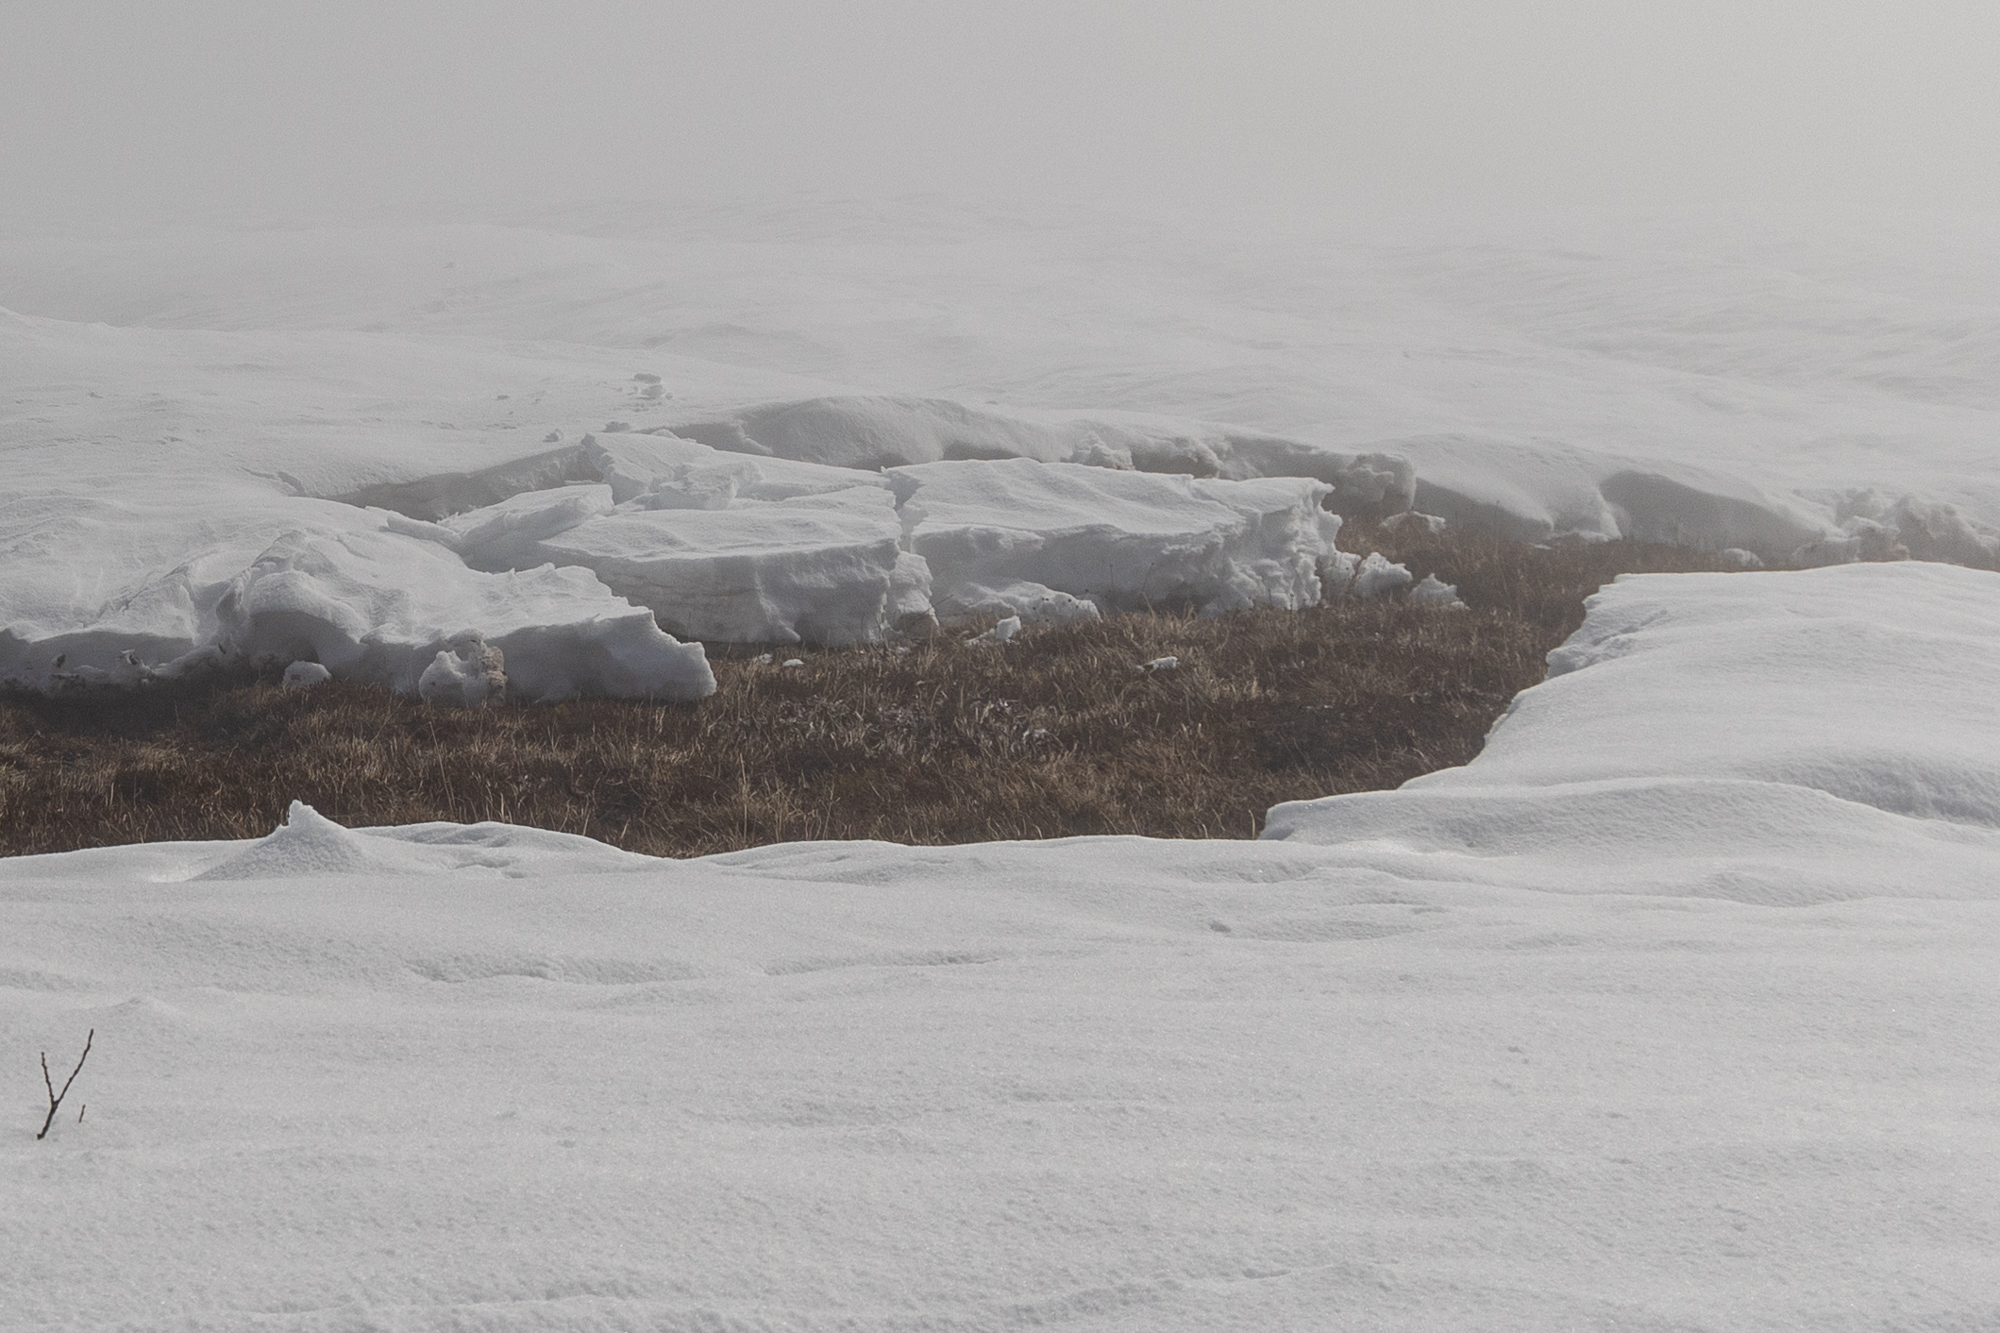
(1056, 733)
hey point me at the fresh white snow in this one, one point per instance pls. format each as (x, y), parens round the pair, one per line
(1673, 1009)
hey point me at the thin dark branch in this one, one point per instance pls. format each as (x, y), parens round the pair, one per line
(55, 1098)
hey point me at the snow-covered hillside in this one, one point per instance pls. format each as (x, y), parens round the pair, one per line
(359, 443)
(1675, 1009)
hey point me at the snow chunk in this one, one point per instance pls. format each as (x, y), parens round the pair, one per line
(500, 536)
(1001, 632)
(469, 674)
(1033, 603)
(1432, 592)
(1377, 576)
(821, 568)
(377, 607)
(1122, 540)
(303, 675)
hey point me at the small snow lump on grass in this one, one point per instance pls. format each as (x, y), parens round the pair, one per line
(301, 675)
(1005, 629)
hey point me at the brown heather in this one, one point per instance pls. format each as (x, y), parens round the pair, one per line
(1056, 733)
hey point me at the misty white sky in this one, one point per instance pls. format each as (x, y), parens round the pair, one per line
(129, 108)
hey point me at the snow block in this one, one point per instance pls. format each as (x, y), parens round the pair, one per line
(816, 568)
(378, 607)
(1122, 540)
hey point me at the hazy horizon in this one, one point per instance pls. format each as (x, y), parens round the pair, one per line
(202, 108)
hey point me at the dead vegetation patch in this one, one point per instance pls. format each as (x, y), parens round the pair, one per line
(1057, 733)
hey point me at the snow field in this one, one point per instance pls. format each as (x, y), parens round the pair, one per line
(171, 412)
(1667, 1024)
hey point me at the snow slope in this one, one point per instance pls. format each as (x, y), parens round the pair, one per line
(1672, 1010)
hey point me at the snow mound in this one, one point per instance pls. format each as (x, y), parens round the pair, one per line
(306, 844)
(828, 568)
(1121, 540)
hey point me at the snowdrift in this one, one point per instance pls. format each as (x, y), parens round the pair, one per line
(1775, 738)
(1685, 974)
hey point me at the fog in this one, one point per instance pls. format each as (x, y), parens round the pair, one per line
(128, 111)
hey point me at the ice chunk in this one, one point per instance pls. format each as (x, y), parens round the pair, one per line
(823, 568)
(302, 675)
(1122, 540)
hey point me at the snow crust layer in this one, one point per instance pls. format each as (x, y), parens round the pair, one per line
(1675, 987)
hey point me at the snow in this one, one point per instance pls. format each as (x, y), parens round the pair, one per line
(180, 399)
(827, 568)
(305, 675)
(1377, 576)
(373, 606)
(1683, 983)
(469, 674)
(1773, 738)
(1003, 631)
(1120, 540)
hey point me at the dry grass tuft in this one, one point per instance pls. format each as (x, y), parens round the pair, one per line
(1056, 733)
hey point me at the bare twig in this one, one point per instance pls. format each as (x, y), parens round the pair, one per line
(55, 1098)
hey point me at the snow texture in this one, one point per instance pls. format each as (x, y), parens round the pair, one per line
(1684, 982)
